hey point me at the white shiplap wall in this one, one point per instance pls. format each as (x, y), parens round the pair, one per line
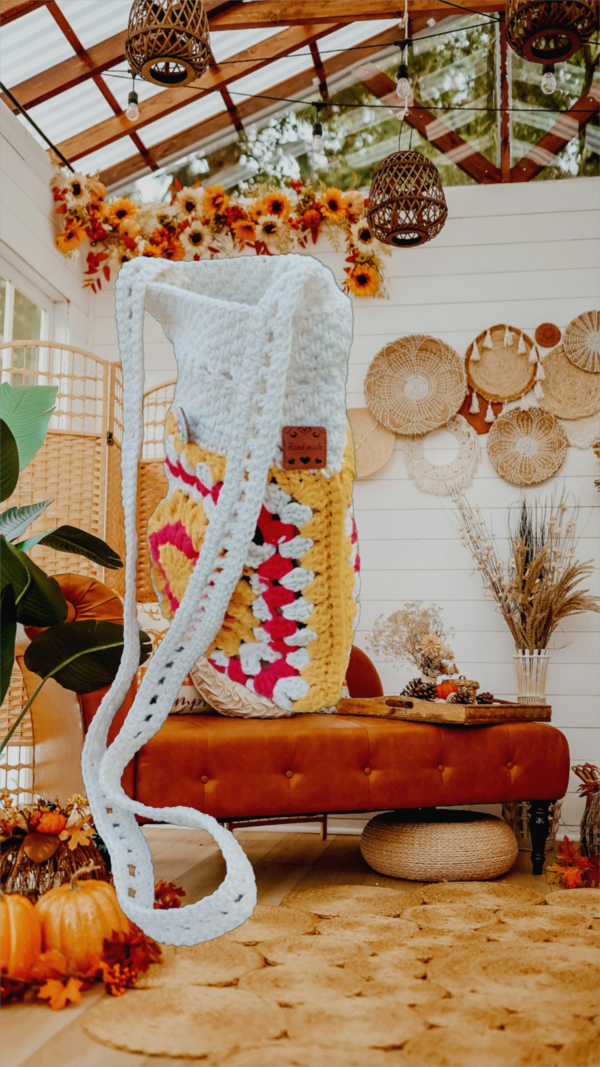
(522, 254)
(29, 226)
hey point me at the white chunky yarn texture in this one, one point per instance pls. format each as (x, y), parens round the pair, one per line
(268, 361)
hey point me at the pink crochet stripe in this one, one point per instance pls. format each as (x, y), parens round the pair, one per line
(172, 533)
(178, 471)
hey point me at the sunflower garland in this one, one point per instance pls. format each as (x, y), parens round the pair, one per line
(208, 223)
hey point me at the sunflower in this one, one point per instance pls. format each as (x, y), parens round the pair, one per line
(72, 235)
(362, 236)
(151, 251)
(332, 204)
(269, 229)
(120, 210)
(215, 200)
(363, 280)
(195, 238)
(276, 204)
(189, 202)
(245, 231)
(354, 202)
(77, 189)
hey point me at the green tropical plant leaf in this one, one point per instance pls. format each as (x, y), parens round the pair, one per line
(39, 600)
(14, 521)
(80, 542)
(9, 461)
(8, 632)
(88, 653)
(27, 410)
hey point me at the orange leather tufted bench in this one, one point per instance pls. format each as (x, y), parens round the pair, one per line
(234, 768)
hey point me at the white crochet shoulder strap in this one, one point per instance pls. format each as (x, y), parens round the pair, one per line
(255, 422)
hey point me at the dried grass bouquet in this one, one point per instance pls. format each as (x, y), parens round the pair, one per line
(539, 587)
(414, 634)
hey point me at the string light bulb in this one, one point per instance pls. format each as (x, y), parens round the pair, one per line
(133, 111)
(548, 79)
(403, 86)
(317, 130)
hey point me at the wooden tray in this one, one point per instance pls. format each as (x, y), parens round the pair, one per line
(414, 710)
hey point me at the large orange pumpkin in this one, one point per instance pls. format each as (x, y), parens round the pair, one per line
(77, 917)
(20, 935)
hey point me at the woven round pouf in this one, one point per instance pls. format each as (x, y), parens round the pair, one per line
(439, 846)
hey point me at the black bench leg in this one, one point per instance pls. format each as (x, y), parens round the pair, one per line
(539, 825)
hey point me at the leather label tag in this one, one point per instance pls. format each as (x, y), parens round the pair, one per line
(304, 448)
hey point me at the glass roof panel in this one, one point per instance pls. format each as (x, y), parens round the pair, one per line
(226, 43)
(31, 44)
(94, 22)
(73, 111)
(265, 78)
(105, 157)
(180, 120)
(119, 82)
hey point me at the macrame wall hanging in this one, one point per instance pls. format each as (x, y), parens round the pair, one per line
(582, 341)
(527, 447)
(500, 365)
(444, 479)
(373, 443)
(569, 392)
(415, 384)
(582, 433)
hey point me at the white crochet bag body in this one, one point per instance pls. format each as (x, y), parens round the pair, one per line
(261, 344)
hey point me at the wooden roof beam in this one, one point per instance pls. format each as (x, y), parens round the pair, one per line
(15, 9)
(248, 109)
(319, 70)
(564, 130)
(446, 140)
(214, 79)
(255, 14)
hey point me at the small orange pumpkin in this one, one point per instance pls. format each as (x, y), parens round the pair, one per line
(51, 822)
(20, 935)
(445, 688)
(77, 917)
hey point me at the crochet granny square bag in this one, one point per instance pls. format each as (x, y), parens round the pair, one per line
(255, 562)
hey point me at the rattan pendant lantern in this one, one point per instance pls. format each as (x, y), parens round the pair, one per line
(167, 41)
(406, 203)
(547, 31)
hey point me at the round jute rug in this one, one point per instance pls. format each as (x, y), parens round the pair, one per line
(352, 899)
(481, 894)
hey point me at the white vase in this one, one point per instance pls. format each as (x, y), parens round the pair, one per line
(531, 668)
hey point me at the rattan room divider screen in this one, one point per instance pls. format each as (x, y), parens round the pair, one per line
(152, 486)
(79, 469)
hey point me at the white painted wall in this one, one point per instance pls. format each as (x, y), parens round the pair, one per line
(28, 228)
(522, 254)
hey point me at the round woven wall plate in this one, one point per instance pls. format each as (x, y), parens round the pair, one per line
(501, 373)
(373, 443)
(527, 447)
(547, 335)
(569, 392)
(415, 384)
(582, 341)
(443, 479)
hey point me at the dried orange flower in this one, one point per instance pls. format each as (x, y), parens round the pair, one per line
(72, 236)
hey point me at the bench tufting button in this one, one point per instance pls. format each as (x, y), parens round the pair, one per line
(509, 765)
(204, 779)
(367, 770)
(289, 774)
(441, 767)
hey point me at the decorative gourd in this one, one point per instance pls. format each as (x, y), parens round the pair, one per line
(51, 822)
(76, 918)
(445, 688)
(20, 935)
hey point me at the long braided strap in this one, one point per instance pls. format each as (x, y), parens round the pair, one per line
(255, 423)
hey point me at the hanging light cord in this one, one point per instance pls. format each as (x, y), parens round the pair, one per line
(10, 96)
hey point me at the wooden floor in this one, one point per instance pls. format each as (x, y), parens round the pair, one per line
(35, 1036)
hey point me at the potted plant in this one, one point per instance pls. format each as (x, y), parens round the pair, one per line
(82, 656)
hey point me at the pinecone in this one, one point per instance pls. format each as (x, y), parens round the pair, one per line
(458, 698)
(485, 698)
(419, 690)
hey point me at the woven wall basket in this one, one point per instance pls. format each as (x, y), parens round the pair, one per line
(442, 479)
(569, 392)
(415, 384)
(501, 373)
(547, 335)
(527, 447)
(439, 846)
(582, 341)
(373, 444)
